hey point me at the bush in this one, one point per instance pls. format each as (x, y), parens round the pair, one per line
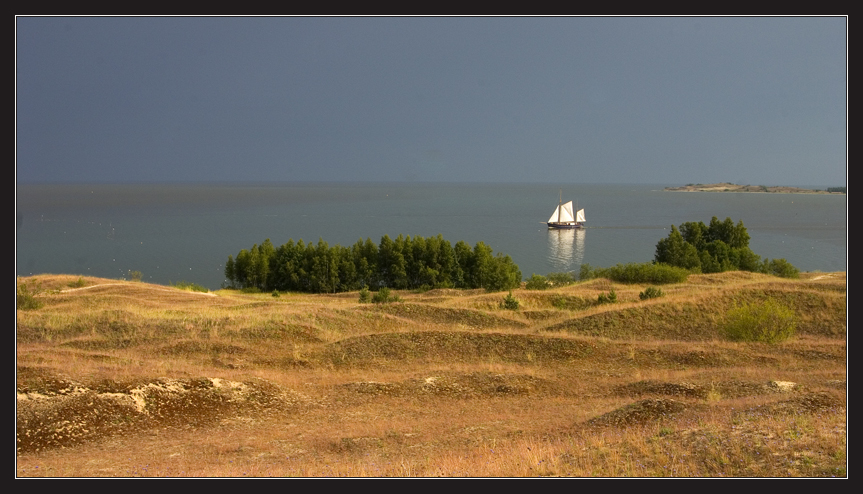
(194, 287)
(782, 268)
(537, 282)
(509, 302)
(650, 292)
(585, 272)
(647, 272)
(607, 299)
(383, 297)
(135, 275)
(768, 322)
(561, 279)
(78, 283)
(276, 293)
(365, 296)
(26, 295)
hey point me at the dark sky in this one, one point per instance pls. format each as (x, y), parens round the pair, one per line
(755, 100)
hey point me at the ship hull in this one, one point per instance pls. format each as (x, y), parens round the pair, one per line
(564, 226)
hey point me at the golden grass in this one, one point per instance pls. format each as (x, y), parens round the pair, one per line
(131, 379)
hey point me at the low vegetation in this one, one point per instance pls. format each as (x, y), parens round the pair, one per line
(138, 380)
(650, 292)
(768, 321)
(636, 273)
(509, 302)
(25, 297)
(185, 285)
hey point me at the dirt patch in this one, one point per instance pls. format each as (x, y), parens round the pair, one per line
(475, 319)
(714, 390)
(58, 412)
(540, 315)
(450, 346)
(191, 347)
(815, 402)
(641, 412)
(662, 388)
(458, 385)
(670, 357)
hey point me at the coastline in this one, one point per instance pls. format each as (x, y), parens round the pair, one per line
(754, 189)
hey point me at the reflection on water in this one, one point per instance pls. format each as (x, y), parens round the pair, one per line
(566, 249)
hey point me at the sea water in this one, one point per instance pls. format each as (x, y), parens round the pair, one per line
(174, 233)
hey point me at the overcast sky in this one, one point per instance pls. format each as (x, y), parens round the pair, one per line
(623, 100)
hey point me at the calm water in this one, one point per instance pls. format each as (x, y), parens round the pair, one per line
(186, 232)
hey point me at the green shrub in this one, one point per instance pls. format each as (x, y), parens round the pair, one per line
(607, 299)
(646, 272)
(559, 303)
(782, 268)
(383, 296)
(537, 282)
(26, 295)
(509, 302)
(650, 292)
(78, 283)
(585, 272)
(135, 275)
(768, 322)
(365, 296)
(193, 287)
(276, 293)
(561, 279)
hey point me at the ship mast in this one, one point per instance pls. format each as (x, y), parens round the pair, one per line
(559, 203)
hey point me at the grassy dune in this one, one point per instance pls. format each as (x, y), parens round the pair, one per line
(130, 379)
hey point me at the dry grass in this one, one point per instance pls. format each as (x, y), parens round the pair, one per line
(130, 379)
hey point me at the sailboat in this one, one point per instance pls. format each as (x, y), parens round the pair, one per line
(562, 217)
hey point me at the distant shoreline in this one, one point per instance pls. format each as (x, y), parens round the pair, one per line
(729, 187)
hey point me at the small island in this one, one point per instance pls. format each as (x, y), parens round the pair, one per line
(729, 187)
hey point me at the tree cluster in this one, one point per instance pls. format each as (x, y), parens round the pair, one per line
(403, 263)
(720, 246)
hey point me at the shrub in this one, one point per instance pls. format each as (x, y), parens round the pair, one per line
(78, 283)
(647, 272)
(650, 292)
(26, 295)
(383, 296)
(782, 268)
(585, 272)
(365, 296)
(607, 299)
(561, 279)
(135, 275)
(276, 293)
(537, 282)
(509, 302)
(193, 287)
(768, 322)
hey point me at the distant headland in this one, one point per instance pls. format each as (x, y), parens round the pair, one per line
(729, 187)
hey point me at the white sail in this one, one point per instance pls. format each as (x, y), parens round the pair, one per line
(562, 214)
(579, 217)
(566, 212)
(554, 216)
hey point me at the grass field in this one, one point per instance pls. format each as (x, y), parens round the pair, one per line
(130, 379)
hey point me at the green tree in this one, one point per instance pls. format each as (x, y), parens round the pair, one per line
(229, 269)
(676, 251)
